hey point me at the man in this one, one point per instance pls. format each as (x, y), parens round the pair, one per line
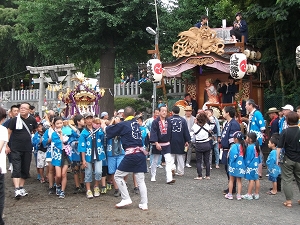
(190, 120)
(104, 116)
(228, 90)
(203, 22)
(216, 136)
(134, 160)
(14, 111)
(191, 102)
(160, 136)
(19, 135)
(229, 128)
(32, 110)
(282, 122)
(148, 124)
(257, 125)
(274, 123)
(130, 79)
(180, 139)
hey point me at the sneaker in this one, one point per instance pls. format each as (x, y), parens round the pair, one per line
(17, 193)
(188, 165)
(103, 190)
(143, 207)
(97, 192)
(62, 194)
(267, 175)
(255, 196)
(23, 192)
(82, 186)
(160, 167)
(77, 190)
(89, 194)
(247, 197)
(227, 190)
(179, 174)
(238, 197)
(136, 190)
(229, 196)
(58, 190)
(123, 203)
(153, 179)
(38, 177)
(108, 186)
(117, 193)
(51, 191)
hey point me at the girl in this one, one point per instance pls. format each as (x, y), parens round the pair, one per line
(236, 166)
(61, 158)
(210, 93)
(251, 162)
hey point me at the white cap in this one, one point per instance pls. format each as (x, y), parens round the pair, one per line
(290, 107)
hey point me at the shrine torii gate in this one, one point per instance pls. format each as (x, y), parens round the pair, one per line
(50, 70)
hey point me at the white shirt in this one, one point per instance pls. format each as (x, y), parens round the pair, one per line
(3, 137)
(203, 135)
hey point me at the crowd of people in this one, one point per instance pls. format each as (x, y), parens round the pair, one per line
(101, 152)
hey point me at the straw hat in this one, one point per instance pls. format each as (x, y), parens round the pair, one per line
(188, 108)
(272, 110)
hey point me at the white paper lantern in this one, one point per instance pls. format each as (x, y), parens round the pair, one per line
(252, 55)
(247, 53)
(298, 57)
(156, 69)
(238, 65)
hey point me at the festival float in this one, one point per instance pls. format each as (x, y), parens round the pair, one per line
(83, 98)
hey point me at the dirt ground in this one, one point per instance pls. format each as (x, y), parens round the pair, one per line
(188, 201)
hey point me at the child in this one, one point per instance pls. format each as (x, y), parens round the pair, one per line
(236, 166)
(76, 158)
(251, 162)
(62, 156)
(273, 169)
(41, 151)
(90, 145)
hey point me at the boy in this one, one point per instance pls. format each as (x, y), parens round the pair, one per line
(273, 169)
(90, 144)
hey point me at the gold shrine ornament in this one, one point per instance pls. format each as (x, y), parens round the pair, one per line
(197, 40)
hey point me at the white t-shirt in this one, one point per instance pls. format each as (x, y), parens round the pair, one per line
(203, 135)
(3, 137)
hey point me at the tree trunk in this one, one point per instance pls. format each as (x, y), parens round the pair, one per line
(107, 68)
(279, 63)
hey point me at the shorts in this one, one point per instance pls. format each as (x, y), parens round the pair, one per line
(76, 167)
(89, 171)
(21, 164)
(113, 162)
(41, 160)
(104, 171)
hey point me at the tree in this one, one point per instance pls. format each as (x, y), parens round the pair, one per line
(93, 30)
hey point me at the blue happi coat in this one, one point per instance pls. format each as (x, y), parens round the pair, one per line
(85, 144)
(36, 141)
(114, 147)
(74, 144)
(252, 161)
(273, 169)
(236, 164)
(180, 134)
(144, 132)
(58, 154)
(256, 125)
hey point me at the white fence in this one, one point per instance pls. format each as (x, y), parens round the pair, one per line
(126, 90)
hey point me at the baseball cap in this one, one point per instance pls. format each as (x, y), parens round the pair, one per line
(86, 115)
(103, 114)
(290, 107)
(121, 111)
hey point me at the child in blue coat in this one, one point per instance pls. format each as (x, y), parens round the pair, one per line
(273, 169)
(236, 166)
(252, 161)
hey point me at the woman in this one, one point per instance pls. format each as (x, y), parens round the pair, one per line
(240, 29)
(211, 94)
(201, 131)
(290, 168)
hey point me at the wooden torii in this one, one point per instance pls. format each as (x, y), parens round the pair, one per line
(42, 79)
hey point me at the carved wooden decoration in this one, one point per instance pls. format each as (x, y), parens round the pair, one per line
(201, 61)
(197, 40)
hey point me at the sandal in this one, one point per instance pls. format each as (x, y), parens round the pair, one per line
(198, 178)
(287, 204)
(42, 180)
(271, 193)
(299, 202)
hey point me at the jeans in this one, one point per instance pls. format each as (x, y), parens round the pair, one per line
(89, 171)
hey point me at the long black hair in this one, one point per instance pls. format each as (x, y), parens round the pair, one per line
(240, 137)
(253, 137)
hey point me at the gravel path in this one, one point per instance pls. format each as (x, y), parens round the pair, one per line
(188, 201)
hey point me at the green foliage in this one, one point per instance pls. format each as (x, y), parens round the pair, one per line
(147, 93)
(138, 104)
